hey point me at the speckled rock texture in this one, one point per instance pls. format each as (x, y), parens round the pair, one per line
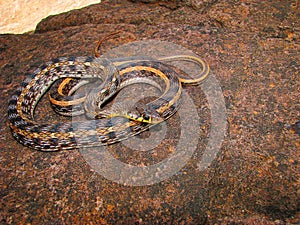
(252, 48)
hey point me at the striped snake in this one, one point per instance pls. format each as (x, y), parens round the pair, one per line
(108, 127)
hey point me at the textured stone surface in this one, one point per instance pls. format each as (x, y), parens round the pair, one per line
(22, 16)
(253, 50)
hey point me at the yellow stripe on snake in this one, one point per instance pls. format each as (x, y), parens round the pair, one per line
(106, 127)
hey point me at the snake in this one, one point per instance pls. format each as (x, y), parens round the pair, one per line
(99, 131)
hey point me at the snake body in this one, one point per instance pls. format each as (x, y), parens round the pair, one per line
(52, 137)
(66, 103)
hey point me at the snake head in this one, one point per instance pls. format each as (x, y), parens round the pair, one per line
(144, 118)
(144, 115)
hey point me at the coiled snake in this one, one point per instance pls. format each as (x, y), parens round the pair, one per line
(108, 127)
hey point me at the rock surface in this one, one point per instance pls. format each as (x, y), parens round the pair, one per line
(253, 50)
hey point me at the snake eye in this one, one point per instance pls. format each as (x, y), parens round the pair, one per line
(146, 117)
